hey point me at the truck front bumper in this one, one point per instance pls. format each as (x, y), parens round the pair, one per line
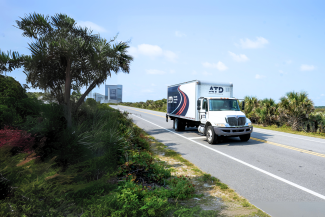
(233, 131)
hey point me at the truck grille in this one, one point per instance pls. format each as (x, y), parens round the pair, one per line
(241, 121)
(232, 121)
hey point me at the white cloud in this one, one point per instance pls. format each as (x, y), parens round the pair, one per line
(305, 67)
(288, 62)
(149, 50)
(171, 71)
(171, 56)
(155, 72)
(152, 51)
(259, 43)
(91, 25)
(322, 94)
(257, 76)
(220, 66)
(179, 34)
(152, 84)
(239, 57)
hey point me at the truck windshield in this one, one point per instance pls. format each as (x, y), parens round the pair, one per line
(223, 105)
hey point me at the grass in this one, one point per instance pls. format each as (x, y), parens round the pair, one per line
(287, 129)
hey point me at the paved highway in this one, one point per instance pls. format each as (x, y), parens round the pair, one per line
(282, 174)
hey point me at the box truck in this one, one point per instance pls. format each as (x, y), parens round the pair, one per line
(209, 106)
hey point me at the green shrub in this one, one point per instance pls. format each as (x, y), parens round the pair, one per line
(141, 167)
(10, 88)
(131, 200)
(181, 187)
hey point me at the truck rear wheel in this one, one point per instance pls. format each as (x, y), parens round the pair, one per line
(245, 137)
(179, 125)
(211, 136)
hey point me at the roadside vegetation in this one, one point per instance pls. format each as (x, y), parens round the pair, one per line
(103, 165)
(158, 105)
(295, 113)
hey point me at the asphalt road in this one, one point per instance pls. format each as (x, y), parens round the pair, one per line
(283, 174)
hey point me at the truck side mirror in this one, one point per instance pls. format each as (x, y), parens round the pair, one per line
(198, 107)
(198, 104)
(243, 105)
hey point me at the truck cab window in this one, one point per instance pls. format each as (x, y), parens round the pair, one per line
(205, 104)
(223, 105)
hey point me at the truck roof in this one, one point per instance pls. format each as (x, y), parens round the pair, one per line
(216, 97)
(225, 84)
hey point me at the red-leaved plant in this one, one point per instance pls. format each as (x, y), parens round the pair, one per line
(16, 138)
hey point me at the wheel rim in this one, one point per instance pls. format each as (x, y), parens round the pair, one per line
(209, 135)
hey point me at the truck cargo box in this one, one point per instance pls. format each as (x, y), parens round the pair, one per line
(182, 98)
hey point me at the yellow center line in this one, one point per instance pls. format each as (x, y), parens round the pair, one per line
(261, 140)
(290, 147)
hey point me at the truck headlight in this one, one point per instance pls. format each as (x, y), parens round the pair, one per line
(248, 122)
(221, 125)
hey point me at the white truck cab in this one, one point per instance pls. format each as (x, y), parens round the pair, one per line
(209, 106)
(221, 116)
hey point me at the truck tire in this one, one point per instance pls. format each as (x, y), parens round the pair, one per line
(179, 125)
(245, 137)
(211, 136)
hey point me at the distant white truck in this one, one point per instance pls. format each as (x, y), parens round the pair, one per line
(209, 106)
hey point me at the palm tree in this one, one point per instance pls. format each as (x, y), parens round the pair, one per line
(267, 112)
(251, 104)
(294, 109)
(65, 54)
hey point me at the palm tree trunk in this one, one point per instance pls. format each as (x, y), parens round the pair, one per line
(68, 79)
(83, 96)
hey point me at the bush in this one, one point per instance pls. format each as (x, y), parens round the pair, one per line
(10, 88)
(181, 187)
(131, 200)
(15, 106)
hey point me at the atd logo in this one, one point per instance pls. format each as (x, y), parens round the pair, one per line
(216, 89)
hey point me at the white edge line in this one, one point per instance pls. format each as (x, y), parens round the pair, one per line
(202, 137)
(246, 164)
(283, 134)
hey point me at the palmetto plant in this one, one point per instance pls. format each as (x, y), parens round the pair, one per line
(294, 108)
(267, 111)
(315, 122)
(251, 104)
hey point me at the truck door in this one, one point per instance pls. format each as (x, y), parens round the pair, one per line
(203, 111)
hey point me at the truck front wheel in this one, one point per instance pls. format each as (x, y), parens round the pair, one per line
(245, 137)
(211, 136)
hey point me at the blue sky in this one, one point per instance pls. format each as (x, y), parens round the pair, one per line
(265, 48)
